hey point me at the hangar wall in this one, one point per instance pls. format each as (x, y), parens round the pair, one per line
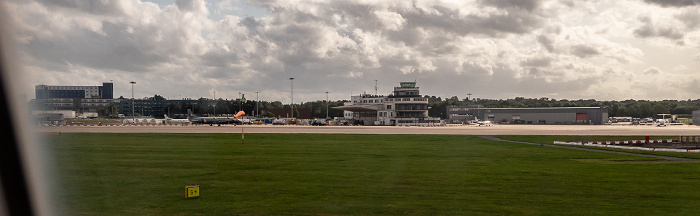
(543, 115)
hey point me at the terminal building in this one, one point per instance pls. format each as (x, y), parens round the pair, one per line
(404, 107)
(543, 115)
(106, 91)
(77, 98)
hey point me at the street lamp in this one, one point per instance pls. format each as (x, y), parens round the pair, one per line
(291, 80)
(133, 114)
(257, 101)
(326, 105)
(214, 104)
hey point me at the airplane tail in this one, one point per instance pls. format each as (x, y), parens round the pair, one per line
(190, 115)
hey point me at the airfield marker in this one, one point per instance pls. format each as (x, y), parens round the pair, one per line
(192, 191)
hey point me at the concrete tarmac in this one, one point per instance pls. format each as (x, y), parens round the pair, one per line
(608, 130)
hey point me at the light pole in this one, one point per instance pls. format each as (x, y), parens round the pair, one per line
(291, 80)
(214, 103)
(133, 115)
(257, 101)
(326, 105)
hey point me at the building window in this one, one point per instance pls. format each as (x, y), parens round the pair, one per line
(388, 107)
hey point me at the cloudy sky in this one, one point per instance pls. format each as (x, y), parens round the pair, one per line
(497, 49)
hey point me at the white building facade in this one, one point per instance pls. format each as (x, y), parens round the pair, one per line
(404, 107)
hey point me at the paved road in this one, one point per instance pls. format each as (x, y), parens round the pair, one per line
(610, 130)
(665, 158)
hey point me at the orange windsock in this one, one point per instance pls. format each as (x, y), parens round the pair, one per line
(239, 114)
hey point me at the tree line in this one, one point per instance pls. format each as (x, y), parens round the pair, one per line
(626, 108)
(438, 106)
(250, 107)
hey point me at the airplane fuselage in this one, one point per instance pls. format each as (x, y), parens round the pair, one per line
(214, 120)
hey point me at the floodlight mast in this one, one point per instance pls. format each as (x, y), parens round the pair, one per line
(326, 105)
(291, 80)
(133, 114)
(214, 104)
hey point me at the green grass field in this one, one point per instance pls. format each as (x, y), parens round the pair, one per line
(313, 174)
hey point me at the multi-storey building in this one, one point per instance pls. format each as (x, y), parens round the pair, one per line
(405, 106)
(76, 98)
(106, 91)
(155, 108)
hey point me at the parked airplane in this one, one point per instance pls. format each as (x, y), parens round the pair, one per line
(482, 123)
(216, 120)
(176, 121)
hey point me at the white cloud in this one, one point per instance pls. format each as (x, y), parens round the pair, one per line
(567, 49)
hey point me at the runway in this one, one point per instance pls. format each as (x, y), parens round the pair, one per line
(608, 130)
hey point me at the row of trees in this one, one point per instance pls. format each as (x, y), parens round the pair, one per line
(221, 106)
(629, 108)
(438, 106)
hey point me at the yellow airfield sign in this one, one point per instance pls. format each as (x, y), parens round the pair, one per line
(192, 191)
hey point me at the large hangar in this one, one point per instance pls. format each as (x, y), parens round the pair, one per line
(542, 115)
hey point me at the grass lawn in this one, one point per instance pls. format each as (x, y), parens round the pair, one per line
(313, 174)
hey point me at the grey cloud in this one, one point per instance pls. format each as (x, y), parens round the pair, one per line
(220, 58)
(439, 46)
(537, 62)
(583, 51)
(546, 42)
(115, 50)
(528, 5)
(649, 29)
(645, 31)
(251, 23)
(185, 5)
(569, 3)
(691, 18)
(88, 6)
(674, 3)
(509, 86)
(652, 71)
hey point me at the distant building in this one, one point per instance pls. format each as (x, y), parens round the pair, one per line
(106, 91)
(155, 108)
(696, 117)
(543, 115)
(301, 113)
(405, 106)
(75, 104)
(76, 98)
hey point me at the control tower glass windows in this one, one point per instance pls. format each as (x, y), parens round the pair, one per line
(408, 84)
